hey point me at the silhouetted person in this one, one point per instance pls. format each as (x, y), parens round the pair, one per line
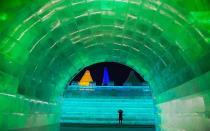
(120, 112)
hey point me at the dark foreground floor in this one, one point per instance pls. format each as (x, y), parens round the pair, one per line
(92, 127)
(88, 127)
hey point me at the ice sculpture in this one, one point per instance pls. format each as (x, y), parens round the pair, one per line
(132, 80)
(105, 77)
(86, 79)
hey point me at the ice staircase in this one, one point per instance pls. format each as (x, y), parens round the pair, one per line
(104, 110)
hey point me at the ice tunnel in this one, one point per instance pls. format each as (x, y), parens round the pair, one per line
(44, 43)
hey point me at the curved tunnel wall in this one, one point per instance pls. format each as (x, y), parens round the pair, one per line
(45, 43)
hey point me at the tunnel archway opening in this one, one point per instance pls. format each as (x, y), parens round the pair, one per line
(118, 73)
(98, 104)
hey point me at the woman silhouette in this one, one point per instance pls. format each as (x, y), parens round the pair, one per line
(120, 112)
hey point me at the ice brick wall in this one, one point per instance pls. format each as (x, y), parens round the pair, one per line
(18, 112)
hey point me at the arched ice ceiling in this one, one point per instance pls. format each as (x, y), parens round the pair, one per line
(44, 43)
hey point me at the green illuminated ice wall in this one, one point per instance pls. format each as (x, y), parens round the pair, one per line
(44, 43)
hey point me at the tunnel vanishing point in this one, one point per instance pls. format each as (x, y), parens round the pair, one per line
(44, 43)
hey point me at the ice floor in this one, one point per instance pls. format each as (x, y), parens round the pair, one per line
(69, 127)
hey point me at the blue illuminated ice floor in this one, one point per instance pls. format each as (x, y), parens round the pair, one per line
(99, 106)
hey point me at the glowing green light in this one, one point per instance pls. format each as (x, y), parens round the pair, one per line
(3, 16)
